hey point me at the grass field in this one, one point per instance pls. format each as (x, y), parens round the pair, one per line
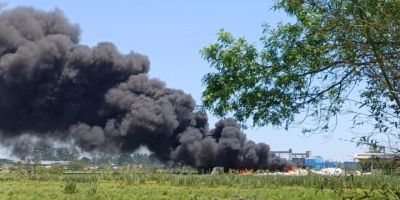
(133, 185)
(121, 190)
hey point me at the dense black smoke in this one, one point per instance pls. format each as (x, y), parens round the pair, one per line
(54, 88)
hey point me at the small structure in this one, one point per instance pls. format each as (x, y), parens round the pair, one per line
(373, 158)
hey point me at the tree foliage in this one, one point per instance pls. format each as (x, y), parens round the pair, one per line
(334, 51)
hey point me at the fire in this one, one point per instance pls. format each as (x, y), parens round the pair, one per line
(246, 171)
(289, 169)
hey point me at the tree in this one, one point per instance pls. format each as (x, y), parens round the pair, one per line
(334, 51)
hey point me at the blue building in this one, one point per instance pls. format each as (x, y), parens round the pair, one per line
(315, 162)
(330, 164)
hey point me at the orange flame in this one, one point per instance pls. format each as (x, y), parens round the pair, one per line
(246, 171)
(289, 169)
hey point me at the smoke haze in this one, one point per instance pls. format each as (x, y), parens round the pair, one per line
(53, 88)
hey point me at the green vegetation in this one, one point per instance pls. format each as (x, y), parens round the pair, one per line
(142, 184)
(336, 53)
(70, 186)
(336, 57)
(122, 190)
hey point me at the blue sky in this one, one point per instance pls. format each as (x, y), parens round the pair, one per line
(172, 32)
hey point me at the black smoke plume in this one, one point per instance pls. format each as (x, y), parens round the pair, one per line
(54, 88)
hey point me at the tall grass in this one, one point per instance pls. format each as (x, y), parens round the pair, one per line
(229, 180)
(70, 186)
(346, 187)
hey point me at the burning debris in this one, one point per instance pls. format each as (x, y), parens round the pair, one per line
(53, 88)
(246, 171)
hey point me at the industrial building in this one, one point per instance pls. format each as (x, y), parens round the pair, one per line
(297, 159)
(307, 160)
(315, 162)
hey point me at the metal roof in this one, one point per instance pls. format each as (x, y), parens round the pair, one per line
(362, 156)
